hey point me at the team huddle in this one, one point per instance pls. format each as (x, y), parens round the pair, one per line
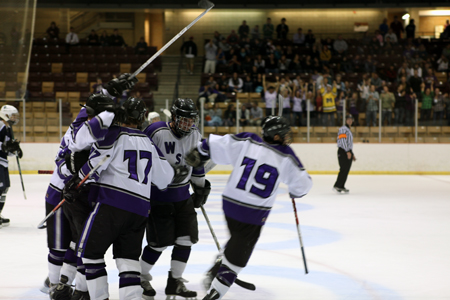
(121, 181)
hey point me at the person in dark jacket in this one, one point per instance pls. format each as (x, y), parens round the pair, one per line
(190, 52)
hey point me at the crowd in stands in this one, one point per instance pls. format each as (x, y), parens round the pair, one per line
(389, 64)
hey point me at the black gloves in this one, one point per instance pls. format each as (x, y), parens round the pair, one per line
(12, 146)
(19, 153)
(195, 159)
(116, 86)
(71, 191)
(201, 194)
(75, 160)
(181, 172)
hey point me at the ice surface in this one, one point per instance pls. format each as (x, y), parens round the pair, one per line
(388, 239)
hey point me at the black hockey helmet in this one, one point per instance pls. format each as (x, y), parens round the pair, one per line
(97, 103)
(275, 125)
(134, 110)
(184, 116)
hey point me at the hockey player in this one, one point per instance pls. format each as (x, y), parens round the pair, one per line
(173, 220)
(99, 109)
(9, 116)
(121, 190)
(260, 165)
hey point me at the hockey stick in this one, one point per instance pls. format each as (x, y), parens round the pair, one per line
(20, 169)
(299, 236)
(203, 4)
(42, 225)
(243, 284)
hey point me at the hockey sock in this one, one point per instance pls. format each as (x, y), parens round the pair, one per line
(180, 256)
(69, 267)
(96, 278)
(225, 277)
(130, 281)
(80, 278)
(2, 199)
(55, 262)
(148, 259)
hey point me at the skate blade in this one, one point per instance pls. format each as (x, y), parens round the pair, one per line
(173, 297)
(45, 289)
(145, 297)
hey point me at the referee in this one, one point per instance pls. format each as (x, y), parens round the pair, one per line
(345, 154)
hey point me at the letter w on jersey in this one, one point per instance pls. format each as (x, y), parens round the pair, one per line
(170, 147)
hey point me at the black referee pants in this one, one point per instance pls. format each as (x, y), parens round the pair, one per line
(345, 165)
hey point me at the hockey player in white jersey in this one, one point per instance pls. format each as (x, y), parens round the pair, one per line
(260, 165)
(173, 220)
(121, 190)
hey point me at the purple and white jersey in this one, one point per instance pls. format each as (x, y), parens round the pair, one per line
(175, 148)
(124, 180)
(258, 169)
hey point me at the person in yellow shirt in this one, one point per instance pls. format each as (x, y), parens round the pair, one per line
(328, 104)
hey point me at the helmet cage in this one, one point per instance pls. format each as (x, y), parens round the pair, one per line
(184, 120)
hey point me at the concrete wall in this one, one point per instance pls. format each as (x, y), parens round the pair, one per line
(319, 158)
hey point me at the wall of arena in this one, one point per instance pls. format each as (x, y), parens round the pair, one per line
(317, 158)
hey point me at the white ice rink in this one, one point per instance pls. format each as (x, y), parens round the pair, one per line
(388, 239)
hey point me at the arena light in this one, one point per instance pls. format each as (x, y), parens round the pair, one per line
(437, 12)
(405, 16)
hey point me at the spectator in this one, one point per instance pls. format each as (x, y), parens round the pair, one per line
(71, 39)
(207, 93)
(244, 115)
(397, 27)
(297, 103)
(260, 63)
(416, 68)
(391, 36)
(410, 104)
(268, 29)
(233, 38)
(325, 55)
(235, 83)
(438, 108)
(442, 64)
(340, 100)
(93, 39)
(244, 30)
(384, 27)
(234, 65)
(190, 52)
(255, 33)
(295, 66)
(248, 85)
(223, 84)
(415, 82)
(271, 64)
(427, 101)
(98, 86)
(372, 106)
(310, 39)
(220, 57)
(256, 47)
(210, 55)
(282, 30)
(258, 84)
(283, 65)
(242, 54)
(224, 46)
(340, 45)
(256, 114)
(104, 39)
(369, 65)
(375, 80)
(387, 104)
(285, 98)
(217, 38)
(211, 82)
(400, 105)
(353, 107)
(116, 39)
(229, 116)
(430, 79)
(299, 38)
(141, 46)
(213, 115)
(270, 48)
(270, 96)
(328, 104)
(53, 31)
(410, 30)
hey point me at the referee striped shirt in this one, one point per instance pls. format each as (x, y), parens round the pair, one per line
(345, 138)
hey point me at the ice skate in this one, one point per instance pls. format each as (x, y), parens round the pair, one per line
(211, 274)
(62, 291)
(47, 285)
(213, 295)
(175, 287)
(79, 295)
(340, 190)
(4, 222)
(149, 291)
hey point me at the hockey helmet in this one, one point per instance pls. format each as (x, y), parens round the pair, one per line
(275, 125)
(184, 116)
(152, 115)
(10, 114)
(97, 103)
(134, 110)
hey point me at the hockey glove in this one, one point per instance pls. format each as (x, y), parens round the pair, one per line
(11, 146)
(181, 172)
(71, 191)
(201, 194)
(195, 159)
(116, 86)
(75, 160)
(19, 153)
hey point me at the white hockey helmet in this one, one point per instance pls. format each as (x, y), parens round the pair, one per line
(152, 115)
(10, 114)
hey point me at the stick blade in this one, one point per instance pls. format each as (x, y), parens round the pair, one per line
(42, 226)
(205, 4)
